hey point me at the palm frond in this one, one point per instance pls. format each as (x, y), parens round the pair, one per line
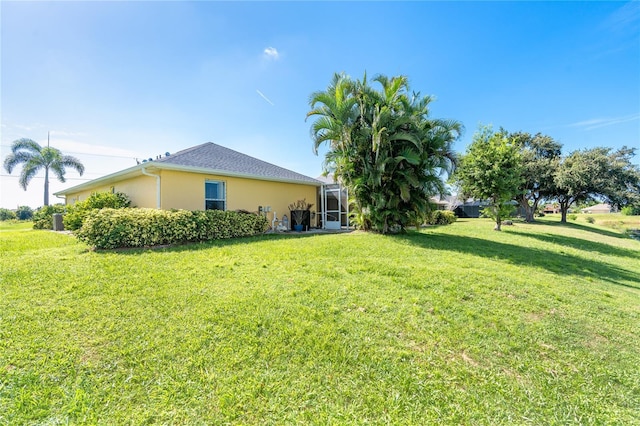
(29, 170)
(27, 145)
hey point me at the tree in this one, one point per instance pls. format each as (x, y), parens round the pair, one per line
(540, 156)
(580, 177)
(384, 147)
(24, 213)
(491, 170)
(6, 214)
(597, 173)
(623, 179)
(35, 158)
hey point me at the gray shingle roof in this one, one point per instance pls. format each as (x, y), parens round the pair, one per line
(218, 158)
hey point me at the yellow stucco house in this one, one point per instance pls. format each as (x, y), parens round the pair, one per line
(207, 176)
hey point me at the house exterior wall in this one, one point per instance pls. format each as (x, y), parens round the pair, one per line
(140, 189)
(599, 208)
(184, 190)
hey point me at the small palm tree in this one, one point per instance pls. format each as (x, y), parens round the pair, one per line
(35, 158)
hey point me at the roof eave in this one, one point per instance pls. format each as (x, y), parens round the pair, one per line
(115, 177)
(204, 170)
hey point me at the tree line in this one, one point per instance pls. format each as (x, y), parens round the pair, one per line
(384, 146)
(501, 167)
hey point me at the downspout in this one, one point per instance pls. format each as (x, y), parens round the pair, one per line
(323, 212)
(64, 197)
(346, 190)
(146, 173)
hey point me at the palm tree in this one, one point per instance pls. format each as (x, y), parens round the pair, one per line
(35, 158)
(384, 147)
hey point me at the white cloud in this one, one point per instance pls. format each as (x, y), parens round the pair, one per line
(264, 97)
(271, 53)
(625, 17)
(66, 133)
(596, 123)
(76, 147)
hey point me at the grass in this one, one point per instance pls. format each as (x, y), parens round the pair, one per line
(456, 324)
(615, 221)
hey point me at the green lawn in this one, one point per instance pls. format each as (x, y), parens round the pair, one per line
(538, 324)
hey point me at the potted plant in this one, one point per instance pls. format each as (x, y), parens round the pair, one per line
(300, 214)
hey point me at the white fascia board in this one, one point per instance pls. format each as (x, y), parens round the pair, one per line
(113, 177)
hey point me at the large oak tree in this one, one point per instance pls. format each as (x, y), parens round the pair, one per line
(597, 173)
(540, 156)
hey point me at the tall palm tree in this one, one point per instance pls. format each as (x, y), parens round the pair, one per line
(384, 146)
(35, 158)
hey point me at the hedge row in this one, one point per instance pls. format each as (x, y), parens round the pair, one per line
(116, 228)
(43, 217)
(97, 200)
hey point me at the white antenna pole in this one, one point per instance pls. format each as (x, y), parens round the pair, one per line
(48, 138)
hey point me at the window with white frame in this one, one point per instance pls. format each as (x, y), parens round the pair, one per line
(215, 195)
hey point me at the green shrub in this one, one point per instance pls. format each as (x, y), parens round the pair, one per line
(361, 220)
(24, 213)
(590, 219)
(98, 200)
(573, 216)
(114, 228)
(43, 217)
(631, 210)
(441, 217)
(6, 214)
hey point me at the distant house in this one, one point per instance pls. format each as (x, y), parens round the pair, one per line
(439, 204)
(598, 208)
(203, 177)
(473, 209)
(470, 209)
(551, 209)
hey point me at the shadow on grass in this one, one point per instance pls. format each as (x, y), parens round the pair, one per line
(557, 263)
(581, 227)
(581, 244)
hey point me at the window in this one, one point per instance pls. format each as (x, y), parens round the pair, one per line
(215, 196)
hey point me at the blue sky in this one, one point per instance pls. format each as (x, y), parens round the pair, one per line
(114, 81)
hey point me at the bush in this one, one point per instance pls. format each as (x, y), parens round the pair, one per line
(43, 217)
(114, 228)
(24, 213)
(573, 216)
(590, 219)
(361, 220)
(631, 210)
(98, 200)
(6, 214)
(441, 217)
